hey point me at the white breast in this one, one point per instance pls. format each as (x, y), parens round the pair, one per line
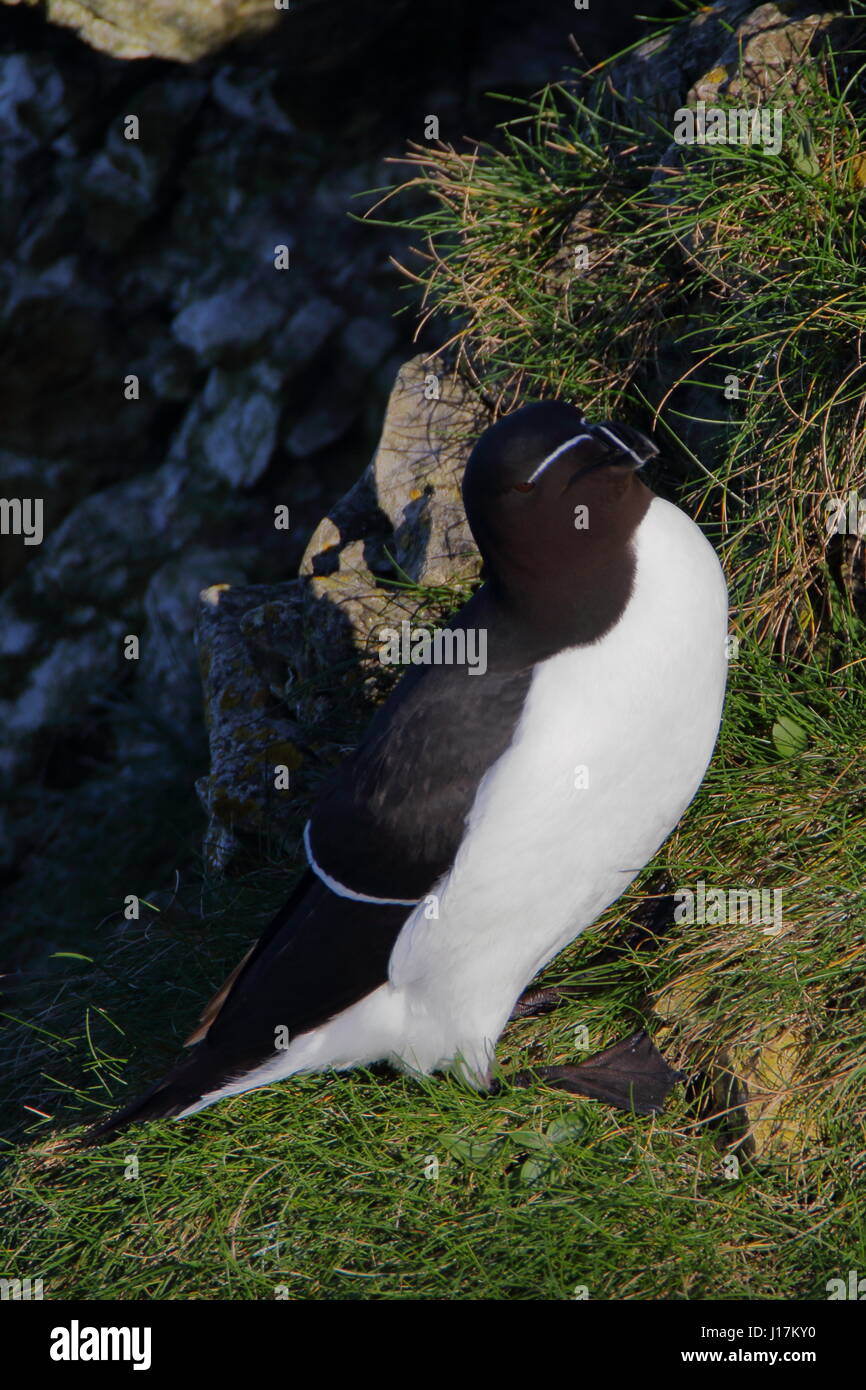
(544, 856)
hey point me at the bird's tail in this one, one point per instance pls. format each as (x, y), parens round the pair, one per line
(163, 1101)
(199, 1072)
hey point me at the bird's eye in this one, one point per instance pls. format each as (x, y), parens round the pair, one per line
(523, 487)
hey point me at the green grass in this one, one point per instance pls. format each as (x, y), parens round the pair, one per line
(729, 263)
(325, 1193)
(319, 1184)
(323, 1187)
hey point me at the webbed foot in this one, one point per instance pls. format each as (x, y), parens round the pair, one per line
(631, 1074)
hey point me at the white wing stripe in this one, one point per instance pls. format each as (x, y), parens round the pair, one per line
(340, 888)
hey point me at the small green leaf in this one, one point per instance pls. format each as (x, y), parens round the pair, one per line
(566, 1130)
(480, 1150)
(803, 155)
(534, 1170)
(472, 1152)
(529, 1139)
(788, 737)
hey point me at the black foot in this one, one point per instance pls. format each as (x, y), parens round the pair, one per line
(632, 1075)
(535, 1002)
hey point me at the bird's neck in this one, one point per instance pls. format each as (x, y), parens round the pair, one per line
(574, 606)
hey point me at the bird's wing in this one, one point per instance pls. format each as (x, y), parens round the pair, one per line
(390, 822)
(308, 966)
(388, 826)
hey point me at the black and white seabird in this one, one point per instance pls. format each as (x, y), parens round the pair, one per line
(485, 821)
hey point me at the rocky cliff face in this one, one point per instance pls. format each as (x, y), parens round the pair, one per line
(167, 381)
(162, 386)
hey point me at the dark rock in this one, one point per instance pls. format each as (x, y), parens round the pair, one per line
(229, 320)
(263, 650)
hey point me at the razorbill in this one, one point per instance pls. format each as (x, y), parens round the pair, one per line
(485, 820)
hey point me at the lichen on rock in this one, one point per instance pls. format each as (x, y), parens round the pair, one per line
(184, 30)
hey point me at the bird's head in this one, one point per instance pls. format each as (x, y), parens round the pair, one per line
(553, 501)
